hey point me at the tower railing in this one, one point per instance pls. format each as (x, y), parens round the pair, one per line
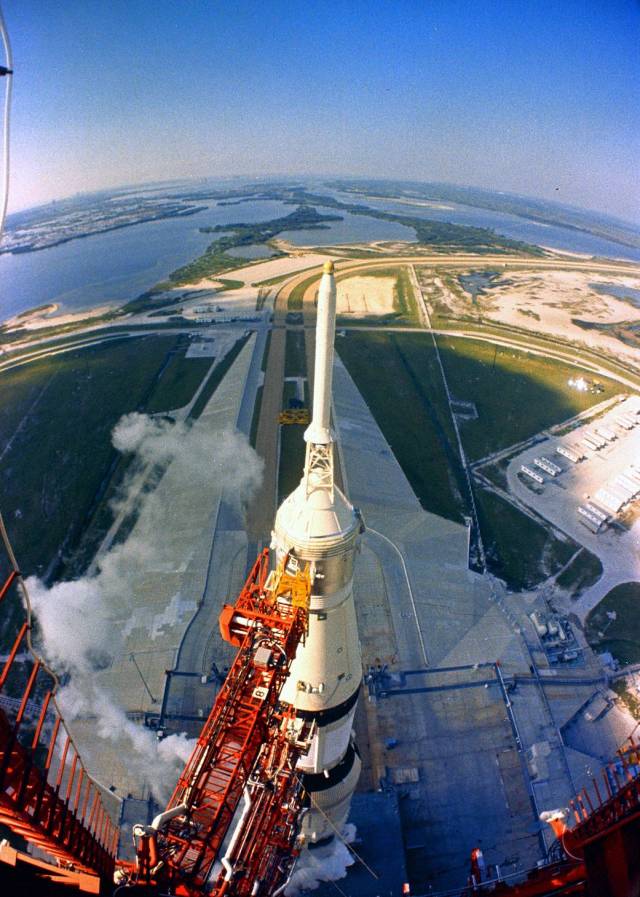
(46, 794)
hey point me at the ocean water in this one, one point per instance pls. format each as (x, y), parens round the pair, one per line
(476, 282)
(620, 292)
(353, 229)
(117, 266)
(507, 225)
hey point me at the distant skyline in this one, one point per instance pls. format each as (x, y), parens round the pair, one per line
(540, 99)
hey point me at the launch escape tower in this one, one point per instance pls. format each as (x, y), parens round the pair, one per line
(318, 525)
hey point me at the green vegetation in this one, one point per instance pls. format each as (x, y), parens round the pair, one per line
(265, 354)
(15, 336)
(535, 210)
(215, 259)
(255, 419)
(178, 380)
(292, 445)
(48, 306)
(295, 364)
(626, 331)
(583, 571)
(273, 281)
(228, 284)
(515, 393)
(160, 296)
(292, 449)
(352, 252)
(150, 300)
(263, 295)
(399, 378)
(438, 235)
(620, 636)
(519, 550)
(529, 313)
(56, 418)
(297, 293)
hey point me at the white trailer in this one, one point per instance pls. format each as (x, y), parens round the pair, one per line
(628, 484)
(608, 501)
(532, 474)
(568, 453)
(599, 441)
(543, 464)
(597, 512)
(589, 520)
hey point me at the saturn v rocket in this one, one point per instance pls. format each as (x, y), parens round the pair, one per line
(318, 525)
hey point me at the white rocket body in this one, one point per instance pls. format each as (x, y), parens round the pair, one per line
(317, 523)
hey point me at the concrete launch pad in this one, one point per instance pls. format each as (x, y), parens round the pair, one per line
(472, 761)
(378, 867)
(448, 746)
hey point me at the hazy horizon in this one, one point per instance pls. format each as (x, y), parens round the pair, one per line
(539, 101)
(283, 176)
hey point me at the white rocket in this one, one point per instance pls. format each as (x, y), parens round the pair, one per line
(318, 524)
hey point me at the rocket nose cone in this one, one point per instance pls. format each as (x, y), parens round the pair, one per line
(328, 268)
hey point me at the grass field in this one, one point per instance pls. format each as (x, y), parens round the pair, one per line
(255, 418)
(584, 571)
(401, 382)
(295, 297)
(519, 550)
(399, 378)
(515, 394)
(56, 418)
(620, 636)
(217, 377)
(179, 380)
(295, 364)
(59, 413)
(292, 447)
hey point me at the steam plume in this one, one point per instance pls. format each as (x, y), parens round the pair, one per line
(83, 624)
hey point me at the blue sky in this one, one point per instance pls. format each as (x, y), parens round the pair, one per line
(520, 96)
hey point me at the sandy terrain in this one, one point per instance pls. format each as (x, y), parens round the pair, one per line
(426, 203)
(243, 300)
(362, 296)
(48, 318)
(276, 267)
(546, 302)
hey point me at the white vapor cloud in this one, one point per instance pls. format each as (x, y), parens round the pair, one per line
(80, 623)
(327, 863)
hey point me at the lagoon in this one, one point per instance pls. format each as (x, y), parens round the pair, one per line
(114, 267)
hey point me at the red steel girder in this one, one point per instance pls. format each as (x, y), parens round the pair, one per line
(50, 812)
(245, 731)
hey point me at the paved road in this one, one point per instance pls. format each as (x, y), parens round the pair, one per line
(261, 512)
(464, 261)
